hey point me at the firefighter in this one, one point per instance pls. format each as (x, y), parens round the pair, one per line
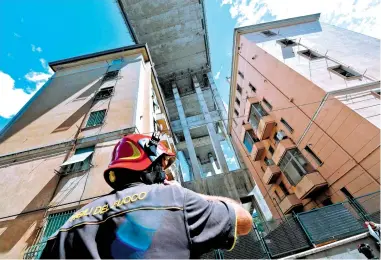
(147, 216)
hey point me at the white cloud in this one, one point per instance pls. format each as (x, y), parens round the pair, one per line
(36, 48)
(226, 2)
(217, 76)
(40, 78)
(360, 16)
(17, 35)
(11, 99)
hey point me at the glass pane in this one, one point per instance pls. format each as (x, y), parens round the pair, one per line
(292, 173)
(259, 109)
(248, 142)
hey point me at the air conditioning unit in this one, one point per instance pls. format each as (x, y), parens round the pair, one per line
(280, 135)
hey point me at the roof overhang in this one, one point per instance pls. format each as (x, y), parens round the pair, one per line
(102, 56)
(236, 43)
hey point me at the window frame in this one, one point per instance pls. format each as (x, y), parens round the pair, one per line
(252, 87)
(355, 74)
(110, 75)
(268, 33)
(313, 155)
(78, 166)
(287, 125)
(303, 54)
(95, 125)
(239, 89)
(256, 114)
(280, 42)
(109, 91)
(267, 103)
(249, 136)
(293, 159)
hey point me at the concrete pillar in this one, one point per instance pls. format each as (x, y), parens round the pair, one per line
(212, 132)
(187, 136)
(214, 164)
(201, 170)
(217, 98)
(223, 113)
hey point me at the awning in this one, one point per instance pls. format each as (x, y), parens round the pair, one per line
(77, 158)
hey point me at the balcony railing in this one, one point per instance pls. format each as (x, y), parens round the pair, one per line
(310, 184)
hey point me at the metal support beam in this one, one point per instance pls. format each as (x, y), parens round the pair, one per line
(212, 132)
(187, 136)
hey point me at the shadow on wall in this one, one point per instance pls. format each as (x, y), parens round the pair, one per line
(16, 228)
(58, 90)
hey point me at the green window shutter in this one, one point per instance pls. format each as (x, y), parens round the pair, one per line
(54, 222)
(96, 118)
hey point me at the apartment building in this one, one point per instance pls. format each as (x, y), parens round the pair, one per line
(304, 112)
(54, 152)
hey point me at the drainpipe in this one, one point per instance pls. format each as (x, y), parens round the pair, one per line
(313, 118)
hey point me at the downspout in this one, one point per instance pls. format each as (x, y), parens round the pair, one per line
(313, 118)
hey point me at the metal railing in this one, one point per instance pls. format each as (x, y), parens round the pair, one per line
(302, 231)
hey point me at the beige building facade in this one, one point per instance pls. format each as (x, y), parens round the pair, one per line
(54, 152)
(304, 113)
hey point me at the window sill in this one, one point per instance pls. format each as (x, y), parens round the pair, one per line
(91, 127)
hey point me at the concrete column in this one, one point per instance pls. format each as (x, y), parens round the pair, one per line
(187, 136)
(218, 100)
(212, 132)
(214, 164)
(222, 112)
(199, 164)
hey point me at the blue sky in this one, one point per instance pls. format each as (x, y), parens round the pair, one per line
(33, 33)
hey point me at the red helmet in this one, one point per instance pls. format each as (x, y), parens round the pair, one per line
(138, 152)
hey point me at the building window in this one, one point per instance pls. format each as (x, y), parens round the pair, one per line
(376, 93)
(256, 113)
(236, 112)
(267, 103)
(96, 118)
(287, 43)
(294, 166)
(239, 89)
(53, 223)
(289, 128)
(249, 140)
(252, 88)
(327, 202)
(344, 72)
(104, 93)
(346, 193)
(241, 74)
(235, 122)
(311, 55)
(271, 149)
(110, 75)
(80, 161)
(268, 33)
(237, 101)
(268, 161)
(283, 188)
(314, 156)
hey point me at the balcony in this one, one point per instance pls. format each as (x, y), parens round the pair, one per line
(257, 151)
(271, 174)
(281, 149)
(260, 120)
(309, 185)
(289, 203)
